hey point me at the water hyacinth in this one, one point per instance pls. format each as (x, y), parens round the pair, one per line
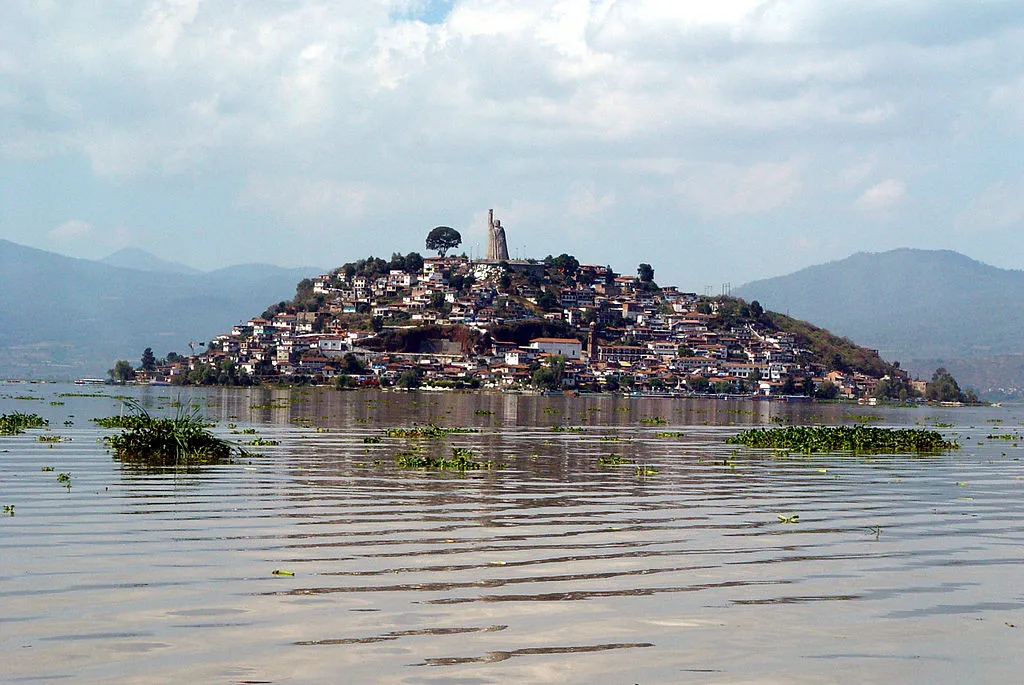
(859, 439)
(180, 441)
(17, 423)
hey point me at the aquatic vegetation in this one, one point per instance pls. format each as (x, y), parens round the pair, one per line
(373, 440)
(670, 434)
(568, 429)
(789, 518)
(180, 441)
(427, 432)
(860, 439)
(642, 471)
(862, 418)
(9, 509)
(280, 572)
(262, 442)
(614, 460)
(17, 423)
(461, 460)
(654, 420)
(483, 412)
(122, 421)
(65, 480)
(52, 438)
(46, 468)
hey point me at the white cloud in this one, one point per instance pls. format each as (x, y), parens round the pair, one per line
(727, 190)
(70, 230)
(300, 198)
(883, 196)
(723, 111)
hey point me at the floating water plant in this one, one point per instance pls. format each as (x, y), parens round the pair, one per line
(461, 460)
(654, 420)
(9, 509)
(373, 440)
(643, 471)
(262, 442)
(429, 432)
(614, 460)
(17, 423)
(789, 518)
(670, 434)
(65, 480)
(860, 439)
(181, 441)
(483, 412)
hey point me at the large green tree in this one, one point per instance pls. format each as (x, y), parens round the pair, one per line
(442, 239)
(122, 371)
(148, 362)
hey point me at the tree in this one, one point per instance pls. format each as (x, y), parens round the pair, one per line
(645, 272)
(550, 375)
(827, 391)
(413, 263)
(944, 388)
(174, 357)
(410, 379)
(148, 360)
(122, 371)
(442, 239)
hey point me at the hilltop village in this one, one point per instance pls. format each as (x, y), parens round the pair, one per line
(551, 324)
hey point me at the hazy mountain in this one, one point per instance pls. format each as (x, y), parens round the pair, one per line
(924, 307)
(63, 317)
(134, 258)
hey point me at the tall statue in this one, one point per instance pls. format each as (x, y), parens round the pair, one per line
(497, 247)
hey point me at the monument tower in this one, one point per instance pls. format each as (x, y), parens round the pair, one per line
(497, 247)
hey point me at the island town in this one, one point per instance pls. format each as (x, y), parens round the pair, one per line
(552, 324)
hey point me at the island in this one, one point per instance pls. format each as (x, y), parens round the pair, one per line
(551, 325)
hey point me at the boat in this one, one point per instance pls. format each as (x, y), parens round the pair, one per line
(90, 381)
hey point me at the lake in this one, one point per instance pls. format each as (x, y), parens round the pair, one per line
(547, 568)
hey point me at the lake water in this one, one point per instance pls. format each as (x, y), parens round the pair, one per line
(553, 569)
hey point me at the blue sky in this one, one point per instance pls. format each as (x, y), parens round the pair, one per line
(721, 142)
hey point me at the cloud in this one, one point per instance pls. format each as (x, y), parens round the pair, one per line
(883, 196)
(70, 230)
(303, 197)
(998, 208)
(727, 190)
(602, 113)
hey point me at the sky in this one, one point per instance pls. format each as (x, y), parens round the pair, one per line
(720, 142)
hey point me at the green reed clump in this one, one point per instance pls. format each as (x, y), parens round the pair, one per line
(461, 460)
(17, 423)
(427, 432)
(860, 439)
(614, 460)
(180, 441)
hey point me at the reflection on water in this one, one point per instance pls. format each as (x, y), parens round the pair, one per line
(551, 569)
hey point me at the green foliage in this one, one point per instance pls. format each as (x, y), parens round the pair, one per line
(859, 439)
(645, 272)
(17, 423)
(461, 460)
(429, 431)
(148, 361)
(410, 379)
(549, 376)
(944, 388)
(442, 239)
(181, 441)
(614, 460)
(122, 371)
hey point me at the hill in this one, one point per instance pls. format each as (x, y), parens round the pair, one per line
(64, 318)
(927, 308)
(134, 258)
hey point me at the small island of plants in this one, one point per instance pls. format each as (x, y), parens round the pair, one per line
(180, 441)
(858, 439)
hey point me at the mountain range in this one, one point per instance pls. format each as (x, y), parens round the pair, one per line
(63, 318)
(924, 308)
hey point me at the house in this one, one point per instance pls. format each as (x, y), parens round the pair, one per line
(570, 348)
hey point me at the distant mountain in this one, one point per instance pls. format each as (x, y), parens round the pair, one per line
(923, 307)
(134, 258)
(62, 317)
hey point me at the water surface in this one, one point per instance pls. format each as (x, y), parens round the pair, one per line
(550, 569)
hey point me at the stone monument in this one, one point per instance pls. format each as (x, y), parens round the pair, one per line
(497, 246)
